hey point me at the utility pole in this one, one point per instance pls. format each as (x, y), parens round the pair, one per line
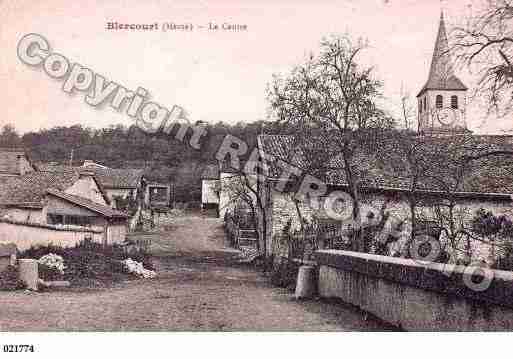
(71, 158)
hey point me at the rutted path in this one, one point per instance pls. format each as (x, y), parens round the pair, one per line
(200, 286)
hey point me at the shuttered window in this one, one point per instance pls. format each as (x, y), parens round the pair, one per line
(439, 101)
(454, 102)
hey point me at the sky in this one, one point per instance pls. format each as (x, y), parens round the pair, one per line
(214, 75)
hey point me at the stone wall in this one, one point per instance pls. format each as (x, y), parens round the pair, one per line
(33, 215)
(417, 296)
(25, 235)
(282, 209)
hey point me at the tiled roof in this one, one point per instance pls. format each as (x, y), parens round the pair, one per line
(31, 187)
(117, 178)
(108, 177)
(63, 169)
(9, 160)
(210, 171)
(384, 172)
(86, 203)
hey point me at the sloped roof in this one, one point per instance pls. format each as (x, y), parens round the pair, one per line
(117, 178)
(441, 73)
(108, 177)
(86, 203)
(31, 187)
(210, 171)
(9, 160)
(63, 169)
(384, 172)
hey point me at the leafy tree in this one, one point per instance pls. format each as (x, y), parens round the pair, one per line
(9, 137)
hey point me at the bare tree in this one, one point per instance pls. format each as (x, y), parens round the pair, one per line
(241, 187)
(456, 164)
(485, 45)
(330, 103)
(407, 109)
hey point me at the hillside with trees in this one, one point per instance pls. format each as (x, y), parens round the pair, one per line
(166, 159)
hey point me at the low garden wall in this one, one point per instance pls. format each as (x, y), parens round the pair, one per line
(417, 296)
(25, 235)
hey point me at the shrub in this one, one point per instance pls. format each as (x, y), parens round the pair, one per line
(284, 273)
(53, 261)
(9, 279)
(88, 260)
(40, 251)
(49, 273)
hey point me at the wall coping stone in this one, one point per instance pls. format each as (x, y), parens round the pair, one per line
(64, 228)
(425, 275)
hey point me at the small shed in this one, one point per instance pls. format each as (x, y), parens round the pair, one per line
(157, 194)
(7, 255)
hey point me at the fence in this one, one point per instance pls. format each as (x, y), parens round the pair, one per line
(302, 244)
(136, 242)
(240, 232)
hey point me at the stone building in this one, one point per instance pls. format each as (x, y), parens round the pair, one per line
(382, 190)
(117, 183)
(60, 207)
(125, 183)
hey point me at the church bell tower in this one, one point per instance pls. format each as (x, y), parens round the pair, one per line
(442, 100)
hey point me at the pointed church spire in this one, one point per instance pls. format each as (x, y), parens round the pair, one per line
(441, 73)
(441, 67)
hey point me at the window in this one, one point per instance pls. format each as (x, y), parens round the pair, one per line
(74, 220)
(425, 104)
(78, 220)
(454, 102)
(420, 106)
(55, 219)
(439, 101)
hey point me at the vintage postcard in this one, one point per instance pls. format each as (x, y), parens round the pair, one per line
(255, 166)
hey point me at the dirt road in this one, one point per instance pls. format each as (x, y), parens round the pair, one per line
(200, 286)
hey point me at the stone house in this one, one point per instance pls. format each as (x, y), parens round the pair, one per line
(117, 182)
(43, 204)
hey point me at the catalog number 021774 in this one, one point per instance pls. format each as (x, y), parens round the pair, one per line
(18, 348)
